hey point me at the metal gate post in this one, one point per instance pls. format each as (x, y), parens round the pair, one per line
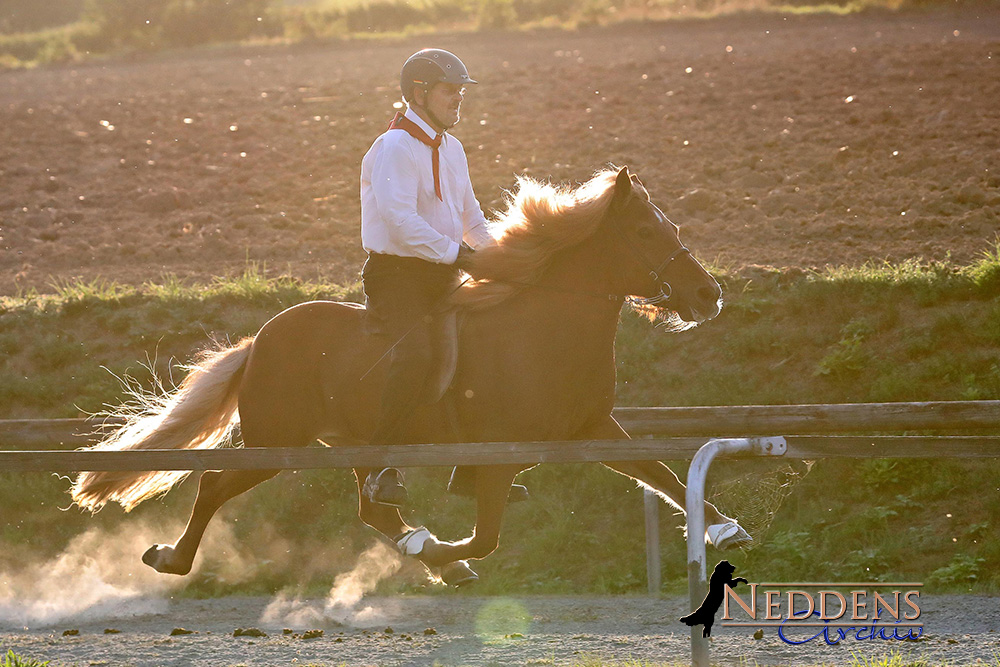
(695, 505)
(651, 504)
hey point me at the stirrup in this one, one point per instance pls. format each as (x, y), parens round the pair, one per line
(728, 535)
(385, 488)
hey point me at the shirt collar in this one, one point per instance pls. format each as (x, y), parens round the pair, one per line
(421, 123)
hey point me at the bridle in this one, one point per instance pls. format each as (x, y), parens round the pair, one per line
(663, 298)
(666, 291)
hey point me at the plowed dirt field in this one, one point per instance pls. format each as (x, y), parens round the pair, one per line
(789, 141)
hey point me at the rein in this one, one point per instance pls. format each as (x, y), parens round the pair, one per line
(663, 297)
(603, 296)
(658, 300)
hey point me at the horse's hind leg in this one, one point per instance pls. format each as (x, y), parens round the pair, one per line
(214, 489)
(492, 488)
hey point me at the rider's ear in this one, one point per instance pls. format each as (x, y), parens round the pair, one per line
(419, 95)
(623, 189)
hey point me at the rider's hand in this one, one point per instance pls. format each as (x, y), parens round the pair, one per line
(465, 253)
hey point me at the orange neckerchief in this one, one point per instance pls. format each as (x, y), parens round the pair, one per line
(401, 122)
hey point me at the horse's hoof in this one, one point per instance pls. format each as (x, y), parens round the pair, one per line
(157, 557)
(458, 574)
(728, 535)
(152, 556)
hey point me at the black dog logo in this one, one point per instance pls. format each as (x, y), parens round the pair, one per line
(705, 614)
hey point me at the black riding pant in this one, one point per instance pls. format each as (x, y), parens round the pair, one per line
(403, 295)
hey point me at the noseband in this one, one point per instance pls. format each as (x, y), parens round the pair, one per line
(663, 298)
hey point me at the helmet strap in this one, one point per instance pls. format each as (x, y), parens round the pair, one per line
(430, 114)
(437, 121)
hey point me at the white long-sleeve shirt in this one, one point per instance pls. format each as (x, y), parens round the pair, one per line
(400, 212)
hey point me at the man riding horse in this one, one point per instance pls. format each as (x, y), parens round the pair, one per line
(536, 362)
(417, 206)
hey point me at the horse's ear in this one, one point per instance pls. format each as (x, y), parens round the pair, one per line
(623, 188)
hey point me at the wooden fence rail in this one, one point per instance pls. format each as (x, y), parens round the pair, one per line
(686, 430)
(714, 421)
(482, 453)
(866, 418)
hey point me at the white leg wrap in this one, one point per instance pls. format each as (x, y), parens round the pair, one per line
(412, 542)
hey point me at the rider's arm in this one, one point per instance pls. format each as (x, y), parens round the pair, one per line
(475, 232)
(395, 181)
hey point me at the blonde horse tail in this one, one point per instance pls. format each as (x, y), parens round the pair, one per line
(199, 414)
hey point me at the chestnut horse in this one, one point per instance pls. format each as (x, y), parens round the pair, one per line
(536, 362)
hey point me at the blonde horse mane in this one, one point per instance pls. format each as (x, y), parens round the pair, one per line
(540, 220)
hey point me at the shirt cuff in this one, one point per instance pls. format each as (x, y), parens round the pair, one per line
(479, 237)
(486, 242)
(452, 253)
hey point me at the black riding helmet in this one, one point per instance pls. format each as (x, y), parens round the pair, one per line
(429, 66)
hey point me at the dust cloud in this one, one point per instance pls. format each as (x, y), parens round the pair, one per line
(98, 574)
(343, 602)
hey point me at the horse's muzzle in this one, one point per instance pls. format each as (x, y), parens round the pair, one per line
(701, 315)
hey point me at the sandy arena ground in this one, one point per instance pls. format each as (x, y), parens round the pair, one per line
(475, 631)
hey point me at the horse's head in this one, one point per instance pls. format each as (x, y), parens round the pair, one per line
(653, 263)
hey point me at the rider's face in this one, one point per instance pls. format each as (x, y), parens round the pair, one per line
(444, 100)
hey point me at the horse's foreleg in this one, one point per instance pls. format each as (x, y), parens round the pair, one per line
(492, 488)
(653, 474)
(662, 479)
(214, 489)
